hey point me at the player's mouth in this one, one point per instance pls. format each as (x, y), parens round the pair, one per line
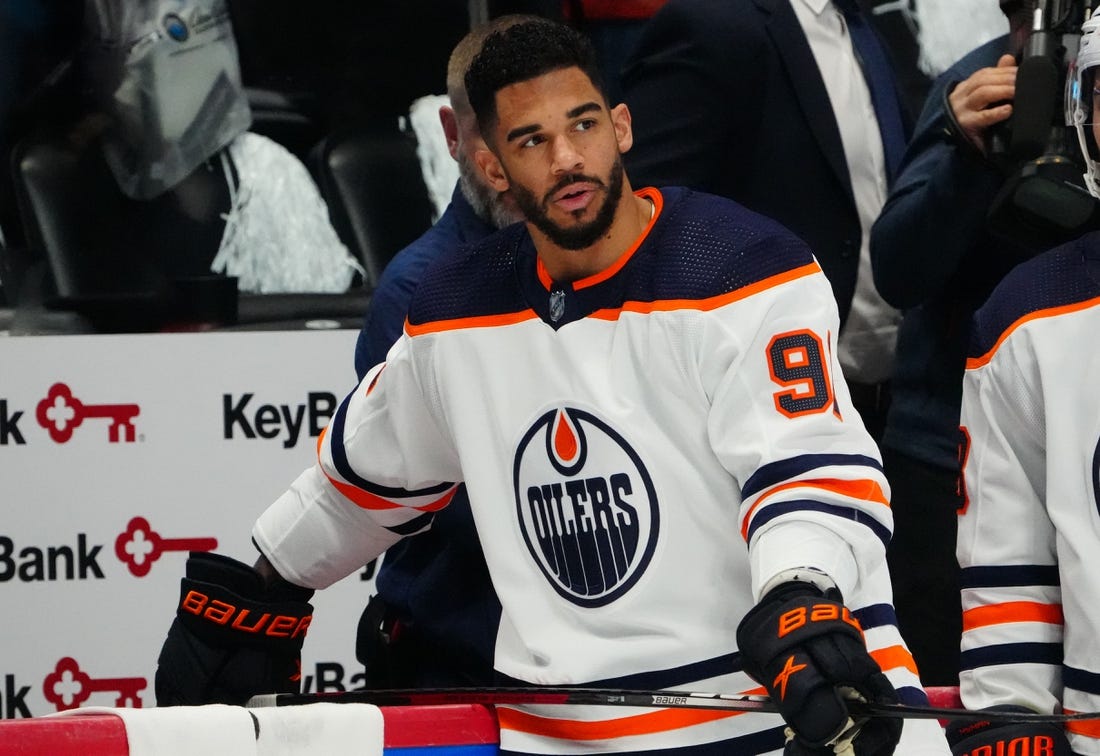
(575, 197)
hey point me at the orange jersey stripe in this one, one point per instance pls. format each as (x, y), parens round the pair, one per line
(867, 490)
(710, 303)
(976, 362)
(1090, 728)
(367, 500)
(1012, 611)
(479, 321)
(893, 657)
(660, 720)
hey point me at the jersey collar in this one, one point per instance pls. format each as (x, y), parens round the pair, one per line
(650, 193)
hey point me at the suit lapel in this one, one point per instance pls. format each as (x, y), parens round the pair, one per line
(806, 82)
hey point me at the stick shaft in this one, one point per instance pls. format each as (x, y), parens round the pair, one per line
(655, 699)
(521, 696)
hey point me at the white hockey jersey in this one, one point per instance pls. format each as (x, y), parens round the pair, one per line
(643, 450)
(1029, 535)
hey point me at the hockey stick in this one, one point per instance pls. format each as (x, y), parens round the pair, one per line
(657, 699)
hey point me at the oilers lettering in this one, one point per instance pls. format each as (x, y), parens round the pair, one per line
(592, 516)
(585, 502)
(586, 506)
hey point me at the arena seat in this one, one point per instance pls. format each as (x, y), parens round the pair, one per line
(286, 118)
(99, 261)
(378, 203)
(95, 241)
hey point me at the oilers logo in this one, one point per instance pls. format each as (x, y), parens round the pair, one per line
(586, 506)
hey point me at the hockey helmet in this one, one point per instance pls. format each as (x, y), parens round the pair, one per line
(1084, 100)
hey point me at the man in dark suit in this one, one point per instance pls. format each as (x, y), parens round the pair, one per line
(736, 97)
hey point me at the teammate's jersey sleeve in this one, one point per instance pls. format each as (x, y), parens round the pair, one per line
(1011, 602)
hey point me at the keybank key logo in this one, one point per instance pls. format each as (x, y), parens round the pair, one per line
(61, 413)
(139, 546)
(68, 686)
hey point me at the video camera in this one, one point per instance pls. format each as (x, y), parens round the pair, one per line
(1044, 201)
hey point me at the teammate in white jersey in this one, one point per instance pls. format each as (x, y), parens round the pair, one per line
(1029, 534)
(671, 488)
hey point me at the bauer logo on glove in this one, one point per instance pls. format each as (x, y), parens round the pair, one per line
(797, 618)
(805, 647)
(244, 616)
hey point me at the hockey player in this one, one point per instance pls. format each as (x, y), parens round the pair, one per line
(1028, 533)
(671, 489)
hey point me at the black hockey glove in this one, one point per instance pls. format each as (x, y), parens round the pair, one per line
(232, 637)
(806, 649)
(974, 738)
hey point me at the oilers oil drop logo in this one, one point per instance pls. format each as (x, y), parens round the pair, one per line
(586, 506)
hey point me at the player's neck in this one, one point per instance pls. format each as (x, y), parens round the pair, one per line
(631, 218)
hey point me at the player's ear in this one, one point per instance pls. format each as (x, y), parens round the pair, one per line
(449, 120)
(490, 167)
(624, 132)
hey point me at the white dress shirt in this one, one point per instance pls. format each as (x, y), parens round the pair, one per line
(866, 343)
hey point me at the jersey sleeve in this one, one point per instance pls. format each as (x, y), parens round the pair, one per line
(1011, 600)
(384, 467)
(813, 491)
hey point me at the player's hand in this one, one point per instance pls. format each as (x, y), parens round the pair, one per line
(232, 637)
(984, 100)
(807, 650)
(973, 738)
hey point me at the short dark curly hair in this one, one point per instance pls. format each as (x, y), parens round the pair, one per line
(522, 52)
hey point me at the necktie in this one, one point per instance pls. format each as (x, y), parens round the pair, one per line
(880, 81)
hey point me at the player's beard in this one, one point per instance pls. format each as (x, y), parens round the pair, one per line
(580, 236)
(487, 202)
